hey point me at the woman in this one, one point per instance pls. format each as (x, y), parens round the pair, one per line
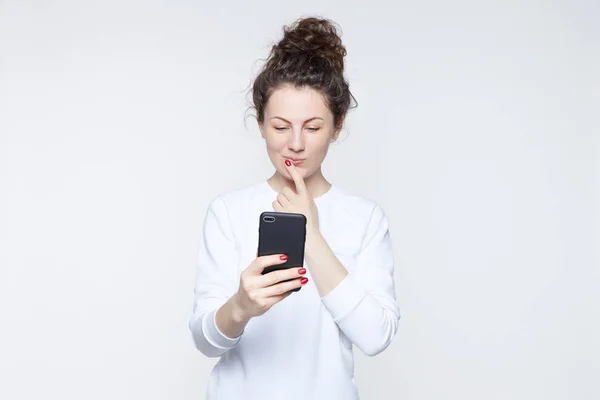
(275, 343)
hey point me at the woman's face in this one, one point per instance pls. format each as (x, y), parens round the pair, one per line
(297, 126)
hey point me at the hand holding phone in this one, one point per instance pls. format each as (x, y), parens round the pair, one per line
(258, 292)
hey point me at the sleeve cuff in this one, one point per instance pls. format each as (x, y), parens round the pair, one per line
(214, 336)
(344, 298)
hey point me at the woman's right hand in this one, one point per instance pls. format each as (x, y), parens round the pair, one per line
(258, 293)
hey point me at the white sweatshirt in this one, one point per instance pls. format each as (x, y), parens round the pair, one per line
(301, 348)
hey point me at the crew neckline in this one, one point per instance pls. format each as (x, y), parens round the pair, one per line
(325, 195)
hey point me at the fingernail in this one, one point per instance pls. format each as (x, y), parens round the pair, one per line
(302, 271)
(303, 281)
(283, 257)
(288, 162)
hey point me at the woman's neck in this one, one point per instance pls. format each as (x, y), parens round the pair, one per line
(316, 184)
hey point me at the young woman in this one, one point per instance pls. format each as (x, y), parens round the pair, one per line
(274, 343)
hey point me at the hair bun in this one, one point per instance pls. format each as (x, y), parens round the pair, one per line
(314, 38)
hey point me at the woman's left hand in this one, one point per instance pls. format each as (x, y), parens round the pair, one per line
(299, 201)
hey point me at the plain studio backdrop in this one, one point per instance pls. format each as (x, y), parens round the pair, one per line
(476, 130)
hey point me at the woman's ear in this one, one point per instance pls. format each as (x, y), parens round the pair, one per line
(262, 132)
(337, 131)
(336, 134)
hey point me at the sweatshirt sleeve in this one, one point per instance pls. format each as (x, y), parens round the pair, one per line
(215, 281)
(364, 303)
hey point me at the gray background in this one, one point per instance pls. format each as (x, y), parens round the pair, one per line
(477, 131)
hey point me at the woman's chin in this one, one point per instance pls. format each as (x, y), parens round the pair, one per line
(288, 175)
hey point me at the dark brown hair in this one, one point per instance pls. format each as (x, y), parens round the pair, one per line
(310, 54)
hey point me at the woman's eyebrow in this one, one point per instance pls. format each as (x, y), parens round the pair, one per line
(308, 120)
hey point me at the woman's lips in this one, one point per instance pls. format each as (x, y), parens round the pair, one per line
(295, 162)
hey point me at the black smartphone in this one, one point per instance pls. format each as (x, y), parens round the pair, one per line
(282, 233)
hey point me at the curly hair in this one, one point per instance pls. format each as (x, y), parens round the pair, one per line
(310, 54)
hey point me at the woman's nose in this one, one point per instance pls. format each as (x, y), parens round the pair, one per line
(296, 142)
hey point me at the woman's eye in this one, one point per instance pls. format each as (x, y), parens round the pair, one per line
(283, 128)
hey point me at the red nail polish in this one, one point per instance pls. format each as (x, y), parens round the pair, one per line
(283, 257)
(302, 271)
(288, 162)
(303, 281)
